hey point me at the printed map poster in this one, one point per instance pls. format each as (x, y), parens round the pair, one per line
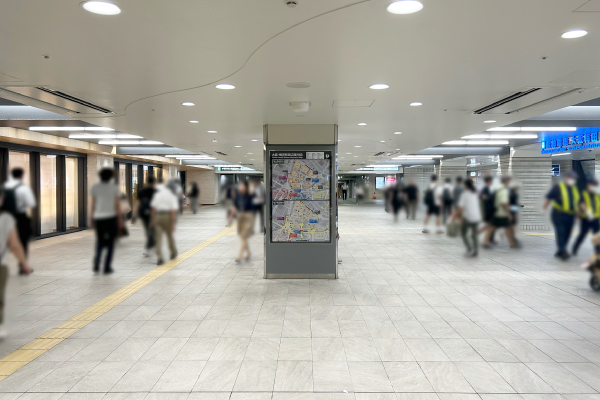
(300, 193)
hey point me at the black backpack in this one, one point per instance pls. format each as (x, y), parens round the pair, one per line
(145, 200)
(10, 201)
(447, 196)
(429, 199)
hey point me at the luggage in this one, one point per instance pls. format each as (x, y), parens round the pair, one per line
(452, 228)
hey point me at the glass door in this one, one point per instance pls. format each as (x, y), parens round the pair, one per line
(72, 195)
(48, 193)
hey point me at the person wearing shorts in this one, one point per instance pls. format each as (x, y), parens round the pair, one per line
(502, 217)
(433, 202)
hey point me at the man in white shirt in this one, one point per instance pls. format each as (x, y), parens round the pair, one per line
(164, 205)
(18, 200)
(344, 191)
(433, 202)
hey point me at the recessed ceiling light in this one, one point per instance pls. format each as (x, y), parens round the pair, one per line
(397, 133)
(211, 131)
(348, 154)
(188, 104)
(357, 146)
(405, 7)
(382, 141)
(379, 86)
(101, 7)
(416, 104)
(214, 140)
(237, 146)
(362, 124)
(355, 156)
(254, 140)
(574, 34)
(225, 86)
(193, 122)
(249, 153)
(397, 149)
(491, 121)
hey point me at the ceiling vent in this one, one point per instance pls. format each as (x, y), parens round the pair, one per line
(54, 99)
(526, 98)
(220, 153)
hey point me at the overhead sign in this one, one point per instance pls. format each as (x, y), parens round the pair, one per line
(582, 138)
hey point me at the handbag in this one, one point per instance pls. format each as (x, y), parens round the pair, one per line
(452, 228)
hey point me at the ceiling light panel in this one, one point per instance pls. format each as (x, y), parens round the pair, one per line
(129, 142)
(574, 34)
(103, 136)
(405, 7)
(101, 7)
(225, 86)
(534, 129)
(379, 86)
(70, 129)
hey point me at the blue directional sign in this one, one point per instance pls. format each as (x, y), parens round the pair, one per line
(580, 139)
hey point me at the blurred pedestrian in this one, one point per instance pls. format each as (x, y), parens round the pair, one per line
(433, 202)
(469, 212)
(589, 214)
(395, 199)
(458, 189)
(245, 218)
(258, 200)
(344, 191)
(360, 193)
(9, 241)
(565, 199)
(164, 206)
(194, 196)
(447, 199)
(487, 204)
(175, 186)
(18, 201)
(143, 210)
(107, 218)
(411, 193)
(228, 201)
(515, 207)
(502, 216)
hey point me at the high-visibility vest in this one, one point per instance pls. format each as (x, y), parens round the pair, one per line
(595, 210)
(566, 205)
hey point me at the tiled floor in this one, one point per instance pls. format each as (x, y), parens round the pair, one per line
(409, 319)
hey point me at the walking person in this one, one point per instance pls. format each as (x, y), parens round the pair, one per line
(457, 191)
(447, 199)
(487, 204)
(589, 213)
(469, 212)
(107, 218)
(229, 198)
(163, 217)
(143, 211)
(564, 198)
(258, 200)
(9, 241)
(245, 218)
(344, 191)
(396, 199)
(502, 216)
(360, 193)
(18, 201)
(433, 202)
(194, 196)
(411, 193)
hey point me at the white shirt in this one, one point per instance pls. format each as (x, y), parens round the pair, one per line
(438, 192)
(344, 187)
(164, 200)
(24, 195)
(469, 204)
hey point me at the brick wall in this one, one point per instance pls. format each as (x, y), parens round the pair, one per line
(208, 183)
(533, 173)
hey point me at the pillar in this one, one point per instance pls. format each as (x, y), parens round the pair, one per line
(208, 182)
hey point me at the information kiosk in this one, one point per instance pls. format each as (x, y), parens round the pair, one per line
(301, 204)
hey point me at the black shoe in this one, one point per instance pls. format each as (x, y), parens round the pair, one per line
(160, 262)
(108, 271)
(21, 272)
(174, 256)
(565, 256)
(96, 269)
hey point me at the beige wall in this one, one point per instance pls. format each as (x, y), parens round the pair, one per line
(208, 183)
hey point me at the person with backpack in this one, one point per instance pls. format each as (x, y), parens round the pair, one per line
(9, 241)
(18, 201)
(143, 211)
(487, 204)
(433, 202)
(447, 199)
(107, 218)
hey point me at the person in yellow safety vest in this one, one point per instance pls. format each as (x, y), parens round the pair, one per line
(589, 212)
(565, 199)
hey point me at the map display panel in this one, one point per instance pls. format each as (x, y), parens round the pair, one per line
(301, 196)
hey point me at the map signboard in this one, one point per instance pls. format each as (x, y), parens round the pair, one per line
(301, 196)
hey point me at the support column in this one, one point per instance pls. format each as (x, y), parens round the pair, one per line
(95, 162)
(208, 183)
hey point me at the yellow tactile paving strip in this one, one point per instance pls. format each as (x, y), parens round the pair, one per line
(29, 352)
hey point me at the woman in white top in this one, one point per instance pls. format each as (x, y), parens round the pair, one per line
(468, 210)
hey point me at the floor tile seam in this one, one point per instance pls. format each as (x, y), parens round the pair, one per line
(155, 273)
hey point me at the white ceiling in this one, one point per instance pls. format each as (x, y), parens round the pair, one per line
(454, 56)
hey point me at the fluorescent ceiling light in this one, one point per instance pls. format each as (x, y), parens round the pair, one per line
(256, 140)
(188, 104)
(502, 136)
(237, 146)
(455, 143)
(193, 122)
(379, 86)
(348, 154)
(491, 121)
(405, 7)
(362, 124)
(382, 141)
(560, 154)
(357, 146)
(196, 158)
(383, 166)
(101, 7)
(129, 142)
(70, 129)
(185, 155)
(211, 131)
(103, 136)
(574, 34)
(416, 104)
(477, 136)
(418, 157)
(225, 86)
(534, 129)
(397, 133)
(487, 142)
